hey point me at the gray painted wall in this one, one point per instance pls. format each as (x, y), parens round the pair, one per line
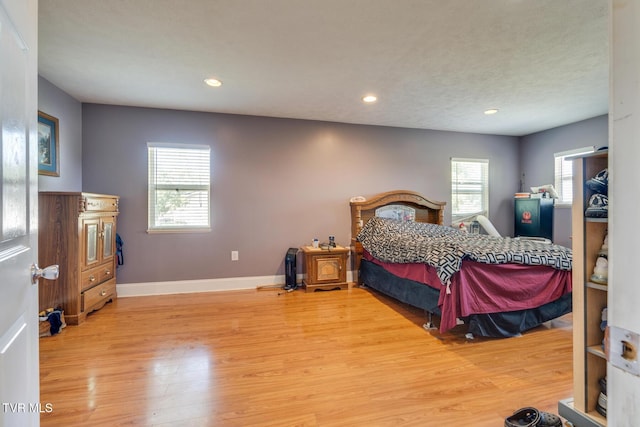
(537, 161)
(300, 173)
(68, 111)
(276, 183)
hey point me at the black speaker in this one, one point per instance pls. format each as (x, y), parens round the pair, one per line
(290, 269)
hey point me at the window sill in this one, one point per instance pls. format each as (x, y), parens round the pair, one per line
(178, 230)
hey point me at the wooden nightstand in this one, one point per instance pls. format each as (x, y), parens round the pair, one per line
(326, 268)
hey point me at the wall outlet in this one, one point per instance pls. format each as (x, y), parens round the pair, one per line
(234, 256)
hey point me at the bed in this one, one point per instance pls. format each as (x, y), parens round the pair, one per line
(498, 287)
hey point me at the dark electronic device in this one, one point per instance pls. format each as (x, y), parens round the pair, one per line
(290, 270)
(534, 218)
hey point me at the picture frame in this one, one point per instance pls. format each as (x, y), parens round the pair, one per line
(48, 145)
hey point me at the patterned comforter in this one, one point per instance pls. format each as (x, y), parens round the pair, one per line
(444, 247)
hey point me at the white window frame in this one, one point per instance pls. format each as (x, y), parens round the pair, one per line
(456, 188)
(563, 174)
(187, 157)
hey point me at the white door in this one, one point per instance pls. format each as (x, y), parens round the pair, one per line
(19, 373)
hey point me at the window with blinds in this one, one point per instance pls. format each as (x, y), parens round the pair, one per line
(563, 180)
(179, 187)
(469, 189)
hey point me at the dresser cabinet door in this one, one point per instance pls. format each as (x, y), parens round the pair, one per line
(98, 240)
(90, 241)
(328, 269)
(108, 237)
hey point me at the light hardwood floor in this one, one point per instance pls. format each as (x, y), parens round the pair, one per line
(257, 358)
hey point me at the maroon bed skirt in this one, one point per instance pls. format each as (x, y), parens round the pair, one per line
(486, 288)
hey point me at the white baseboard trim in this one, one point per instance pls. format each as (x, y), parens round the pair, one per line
(203, 285)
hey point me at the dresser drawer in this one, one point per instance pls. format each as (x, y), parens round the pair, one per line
(96, 275)
(98, 203)
(96, 297)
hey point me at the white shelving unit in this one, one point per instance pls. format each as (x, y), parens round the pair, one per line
(589, 298)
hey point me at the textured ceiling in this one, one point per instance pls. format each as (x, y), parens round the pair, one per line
(434, 64)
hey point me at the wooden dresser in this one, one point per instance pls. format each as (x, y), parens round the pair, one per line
(77, 231)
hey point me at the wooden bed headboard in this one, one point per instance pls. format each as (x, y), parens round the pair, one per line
(425, 211)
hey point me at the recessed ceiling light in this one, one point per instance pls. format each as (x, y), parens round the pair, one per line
(213, 82)
(491, 111)
(370, 98)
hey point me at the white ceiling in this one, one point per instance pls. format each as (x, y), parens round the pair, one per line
(434, 64)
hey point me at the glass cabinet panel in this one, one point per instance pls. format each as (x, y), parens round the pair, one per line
(92, 243)
(108, 239)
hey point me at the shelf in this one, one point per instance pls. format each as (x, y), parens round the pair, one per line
(589, 298)
(567, 410)
(597, 286)
(597, 417)
(590, 219)
(597, 351)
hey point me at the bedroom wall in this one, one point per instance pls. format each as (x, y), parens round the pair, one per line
(537, 161)
(68, 111)
(276, 183)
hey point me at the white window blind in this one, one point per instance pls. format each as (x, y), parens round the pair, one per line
(563, 180)
(179, 187)
(469, 188)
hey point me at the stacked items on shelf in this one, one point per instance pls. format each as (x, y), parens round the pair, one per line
(598, 202)
(601, 404)
(601, 270)
(599, 208)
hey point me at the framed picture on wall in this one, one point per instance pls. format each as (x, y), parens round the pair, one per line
(48, 145)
